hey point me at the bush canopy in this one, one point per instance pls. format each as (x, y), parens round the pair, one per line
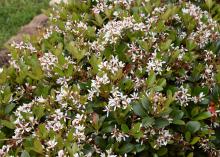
(114, 78)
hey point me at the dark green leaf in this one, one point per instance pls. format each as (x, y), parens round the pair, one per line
(126, 148)
(161, 123)
(148, 121)
(25, 154)
(151, 79)
(193, 126)
(139, 110)
(203, 115)
(162, 151)
(187, 136)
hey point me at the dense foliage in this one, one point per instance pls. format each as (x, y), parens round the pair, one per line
(114, 78)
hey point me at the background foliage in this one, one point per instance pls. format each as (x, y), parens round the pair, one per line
(16, 13)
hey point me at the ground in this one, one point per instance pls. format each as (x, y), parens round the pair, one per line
(16, 13)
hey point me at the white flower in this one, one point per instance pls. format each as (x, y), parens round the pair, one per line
(63, 80)
(118, 101)
(79, 134)
(164, 138)
(155, 65)
(199, 98)
(112, 31)
(115, 13)
(61, 153)
(134, 96)
(51, 144)
(4, 150)
(54, 2)
(118, 135)
(182, 96)
(96, 84)
(185, 11)
(112, 65)
(62, 94)
(1, 70)
(108, 153)
(77, 119)
(48, 62)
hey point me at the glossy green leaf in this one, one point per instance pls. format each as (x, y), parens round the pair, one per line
(126, 148)
(203, 115)
(193, 126)
(161, 123)
(148, 121)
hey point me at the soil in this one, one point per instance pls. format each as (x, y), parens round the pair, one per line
(30, 29)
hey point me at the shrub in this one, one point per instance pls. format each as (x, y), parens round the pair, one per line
(114, 78)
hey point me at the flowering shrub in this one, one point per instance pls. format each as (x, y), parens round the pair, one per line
(114, 78)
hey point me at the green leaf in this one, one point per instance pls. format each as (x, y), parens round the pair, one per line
(151, 79)
(99, 141)
(158, 88)
(209, 3)
(148, 121)
(136, 130)
(43, 131)
(145, 45)
(25, 154)
(2, 136)
(203, 115)
(170, 98)
(159, 26)
(195, 111)
(3, 77)
(124, 128)
(99, 20)
(169, 12)
(126, 148)
(38, 111)
(190, 45)
(9, 108)
(161, 123)
(162, 82)
(165, 45)
(187, 136)
(38, 146)
(177, 114)
(94, 61)
(75, 51)
(72, 149)
(190, 154)
(217, 76)
(195, 140)
(162, 151)
(178, 122)
(145, 103)
(139, 110)
(90, 32)
(140, 147)
(126, 85)
(107, 129)
(7, 124)
(193, 126)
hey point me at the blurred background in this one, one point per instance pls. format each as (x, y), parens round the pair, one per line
(16, 13)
